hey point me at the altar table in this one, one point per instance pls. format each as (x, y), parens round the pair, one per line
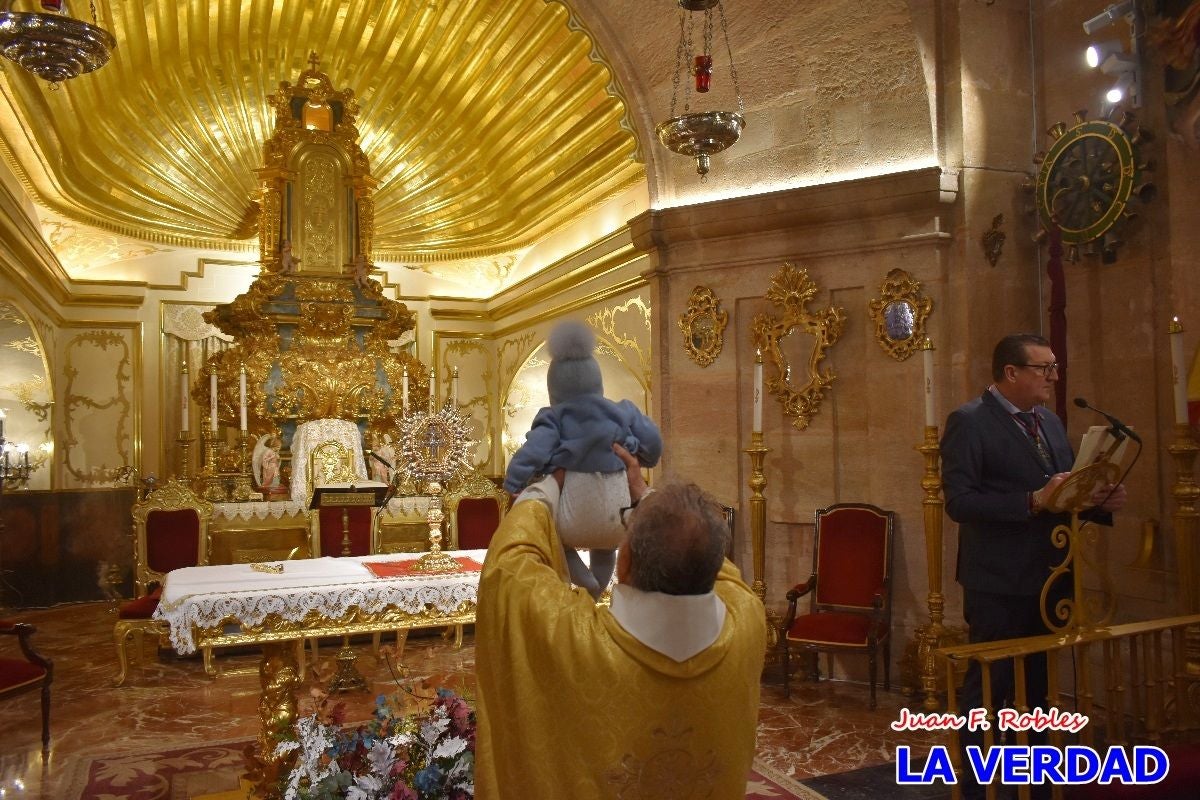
(233, 604)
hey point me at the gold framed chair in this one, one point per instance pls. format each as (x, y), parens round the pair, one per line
(850, 590)
(18, 675)
(474, 507)
(170, 531)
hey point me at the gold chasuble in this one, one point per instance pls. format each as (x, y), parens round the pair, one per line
(573, 706)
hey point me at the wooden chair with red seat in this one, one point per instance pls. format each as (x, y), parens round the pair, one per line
(18, 675)
(850, 590)
(170, 529)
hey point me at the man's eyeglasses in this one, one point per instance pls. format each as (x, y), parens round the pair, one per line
(625, 514)
(1045, 369)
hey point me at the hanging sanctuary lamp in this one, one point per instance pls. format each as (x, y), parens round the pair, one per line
(52, 45)
(700, 134)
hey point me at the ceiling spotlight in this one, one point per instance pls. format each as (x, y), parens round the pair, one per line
(1108, 16)
(1123, 88)
(1096, 53)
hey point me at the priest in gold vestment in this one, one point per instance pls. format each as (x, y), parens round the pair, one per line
(656, 697)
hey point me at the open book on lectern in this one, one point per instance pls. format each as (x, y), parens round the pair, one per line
(1100, 445)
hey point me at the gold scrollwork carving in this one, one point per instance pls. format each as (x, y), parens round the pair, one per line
(899, 314)
(791, 290)
(606, 321)
(703, 326)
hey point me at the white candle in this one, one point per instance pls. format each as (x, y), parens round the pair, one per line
(404, 391)
(454, 387)
(242, 398)
(1179, 370)
(2, 417)
(186, 387)
(212, 401)
(758, 398)
(927, 352)
(432, 392)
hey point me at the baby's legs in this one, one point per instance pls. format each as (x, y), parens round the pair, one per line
(581, 575)
(589, 518)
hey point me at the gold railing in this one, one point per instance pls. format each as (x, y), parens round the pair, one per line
(1143, 693)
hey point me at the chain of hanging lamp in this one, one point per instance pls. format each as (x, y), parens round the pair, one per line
(700, 134)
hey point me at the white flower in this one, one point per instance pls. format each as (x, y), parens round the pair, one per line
(364, 788)
(380, 757)
(449, 748)
(432, 730)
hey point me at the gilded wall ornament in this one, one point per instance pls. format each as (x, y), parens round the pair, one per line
(791, 290)
(703, 326)
(899, 314)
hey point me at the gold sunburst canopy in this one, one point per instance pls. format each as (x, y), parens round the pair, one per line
(486, 124)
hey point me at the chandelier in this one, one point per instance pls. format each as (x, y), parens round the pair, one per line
(699, 134)
(52, 45)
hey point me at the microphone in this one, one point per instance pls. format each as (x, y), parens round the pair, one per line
(1117, 425)
(381, 460)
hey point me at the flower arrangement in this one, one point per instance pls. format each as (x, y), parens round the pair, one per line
(427, 755)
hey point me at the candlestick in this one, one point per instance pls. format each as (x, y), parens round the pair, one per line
(2, 417)
(242, 398)
(183, 422)
(454, 387)
(758, 398)
(212, 401)
(1179, 370)
(404, 391)
(927, 352)
(432, 392)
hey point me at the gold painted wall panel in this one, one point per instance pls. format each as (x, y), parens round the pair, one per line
(99, 423)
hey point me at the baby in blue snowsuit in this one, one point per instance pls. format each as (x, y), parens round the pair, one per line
(576, 432)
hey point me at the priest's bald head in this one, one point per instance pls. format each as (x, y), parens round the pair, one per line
(676, 542)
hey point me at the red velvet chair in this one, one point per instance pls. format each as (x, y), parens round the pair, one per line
(170, 531)
(18, 675)
(850, 590)
(474, 505)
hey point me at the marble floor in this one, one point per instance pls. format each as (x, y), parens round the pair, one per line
(822, 728)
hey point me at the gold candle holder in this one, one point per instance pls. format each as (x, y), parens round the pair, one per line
(934, 635)
(758, 531)
(213, 491)
(243, 487)
(184, 441)
(1187, 524)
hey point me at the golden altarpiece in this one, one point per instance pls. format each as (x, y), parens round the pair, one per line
(313, 336)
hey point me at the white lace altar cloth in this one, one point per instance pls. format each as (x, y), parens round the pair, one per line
(275, 509)
(208, 597)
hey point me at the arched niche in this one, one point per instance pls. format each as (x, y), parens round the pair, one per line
(526, 394)
(26, 393)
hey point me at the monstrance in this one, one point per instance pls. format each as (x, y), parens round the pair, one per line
(435, 447)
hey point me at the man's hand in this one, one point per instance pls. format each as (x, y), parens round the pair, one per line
(1042, 495)
(633, 471)
(1109, 497)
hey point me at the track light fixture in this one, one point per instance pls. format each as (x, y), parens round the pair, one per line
(1110, 57)
(1097, 52)
(1108, 16)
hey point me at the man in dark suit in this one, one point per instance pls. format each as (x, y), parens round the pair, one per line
(1003, 455)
